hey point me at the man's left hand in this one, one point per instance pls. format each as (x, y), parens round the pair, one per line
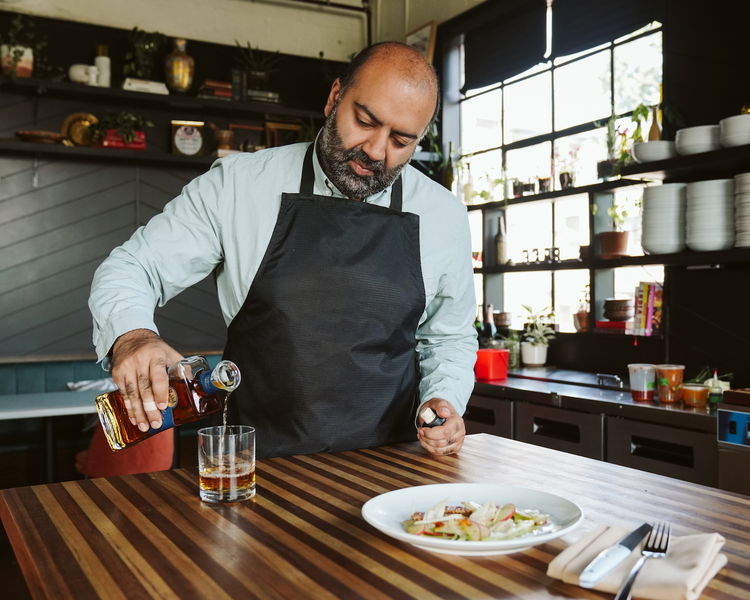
(446, 438)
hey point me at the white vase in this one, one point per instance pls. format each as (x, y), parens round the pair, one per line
(533, 355)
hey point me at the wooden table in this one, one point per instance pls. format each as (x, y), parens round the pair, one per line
(149, 536)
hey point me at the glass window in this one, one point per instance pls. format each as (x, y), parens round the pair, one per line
(628, 278)
(638, 71)
(629, 201)
(571, 225)
(582, 91)
(480, 122)
(532, 289)
(578, 154)
(528, 108)
(571, 291)
(486, 171)
(529, 228)
(528, 164)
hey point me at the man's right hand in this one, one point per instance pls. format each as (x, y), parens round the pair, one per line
(139, 369)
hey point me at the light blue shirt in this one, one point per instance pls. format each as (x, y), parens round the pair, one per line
(226, 216)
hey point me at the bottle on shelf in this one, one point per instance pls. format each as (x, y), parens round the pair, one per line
(103, 65)
(715, 391)
(468, 187)
(654, 133)
(489, 330)
(500, 245)
(179, 67)
(195, 391)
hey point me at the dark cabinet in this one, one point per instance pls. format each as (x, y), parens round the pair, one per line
(560, 429)
(485, 414)
(683, 454)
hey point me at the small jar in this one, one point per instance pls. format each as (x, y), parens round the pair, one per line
(694, 394)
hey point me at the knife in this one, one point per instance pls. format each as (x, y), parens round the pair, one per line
(610, 557)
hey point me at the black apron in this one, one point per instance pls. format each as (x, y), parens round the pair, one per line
(326, 338)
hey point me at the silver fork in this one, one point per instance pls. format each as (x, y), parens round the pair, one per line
(656, 546)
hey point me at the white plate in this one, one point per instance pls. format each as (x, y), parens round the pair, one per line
(387, 511)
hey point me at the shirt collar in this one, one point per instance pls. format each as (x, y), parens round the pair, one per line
(325, 187)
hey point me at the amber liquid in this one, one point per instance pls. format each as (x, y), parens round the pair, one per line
(227, 482)
(192, 403)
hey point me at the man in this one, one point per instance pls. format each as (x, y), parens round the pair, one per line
(344, 275)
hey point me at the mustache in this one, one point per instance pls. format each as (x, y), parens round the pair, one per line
(356, 153)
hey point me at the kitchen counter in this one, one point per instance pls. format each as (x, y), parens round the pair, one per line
(576, 390)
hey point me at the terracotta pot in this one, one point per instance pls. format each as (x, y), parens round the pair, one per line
(581, 320)
(613, 244)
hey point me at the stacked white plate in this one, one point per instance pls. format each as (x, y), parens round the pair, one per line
(644, 152)
(735, 131)
(742, 209)
(710, 215)
(663, 218)
(694, 140)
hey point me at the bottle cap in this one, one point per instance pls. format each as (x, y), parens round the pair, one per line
(102, 50)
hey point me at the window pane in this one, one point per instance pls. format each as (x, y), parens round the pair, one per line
(480, 122)
(527, 164)
(570, 293)
(529, 227)
(579, 154)
(638, 72)
(571, 225)
(486, 176)
(629, 199)
(475, 227)
(528, 108)
(582, 91)
(628, 278)
(533, 289)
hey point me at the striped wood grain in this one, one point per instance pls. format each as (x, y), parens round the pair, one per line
(149, 536)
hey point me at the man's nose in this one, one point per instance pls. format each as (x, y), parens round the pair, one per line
(376, 145)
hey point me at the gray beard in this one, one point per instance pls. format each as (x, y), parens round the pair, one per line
(334, 159)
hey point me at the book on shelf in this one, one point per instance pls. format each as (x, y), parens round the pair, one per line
(648, 308)
(144, 85)
(610, 326)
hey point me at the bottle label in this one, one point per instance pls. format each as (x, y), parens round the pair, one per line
(167, 421)
(172, 397)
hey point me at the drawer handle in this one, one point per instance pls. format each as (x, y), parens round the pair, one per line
(676, 454)
(556, 430)
(477, 414)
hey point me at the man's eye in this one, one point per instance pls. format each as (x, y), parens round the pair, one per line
(400, 143)
(364, 123)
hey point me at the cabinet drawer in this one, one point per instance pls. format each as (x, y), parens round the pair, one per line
(566, 430)
(687, 455)
(485, 414)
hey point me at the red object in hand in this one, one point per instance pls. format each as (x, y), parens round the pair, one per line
(492, 363)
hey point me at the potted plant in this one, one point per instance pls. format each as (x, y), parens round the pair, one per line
(122, 129)
(536, 334)
(567, 167)
(17, 48)
(613, 243)
(257, 65)
(140, 60)
(581, 316)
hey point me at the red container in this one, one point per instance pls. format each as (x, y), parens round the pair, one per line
(492, 363)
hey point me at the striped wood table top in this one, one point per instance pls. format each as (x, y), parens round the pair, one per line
(149, 536)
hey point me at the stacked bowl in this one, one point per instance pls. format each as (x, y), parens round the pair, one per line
(735, 131)
(742, 209)
(663, 218)
(710, 215)
(694, 140)
(645, 152)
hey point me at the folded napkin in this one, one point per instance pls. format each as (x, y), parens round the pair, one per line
(691, 562)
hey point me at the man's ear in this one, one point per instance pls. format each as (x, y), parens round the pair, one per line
(333, 97)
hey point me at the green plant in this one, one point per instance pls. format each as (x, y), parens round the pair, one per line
(123, 122)
(22, 34)
(256, 60)
(538, 326)
(141, 58)
(584, 302)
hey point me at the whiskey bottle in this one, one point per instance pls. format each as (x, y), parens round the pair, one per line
(195, 391)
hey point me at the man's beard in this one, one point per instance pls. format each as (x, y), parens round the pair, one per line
(334, 159)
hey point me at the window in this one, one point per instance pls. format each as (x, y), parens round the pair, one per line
(517, 137)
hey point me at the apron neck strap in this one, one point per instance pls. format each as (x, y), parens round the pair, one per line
(307, 181)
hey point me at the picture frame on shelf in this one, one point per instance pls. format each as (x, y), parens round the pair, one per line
(248, 138)
(423, 39)
(280, 133)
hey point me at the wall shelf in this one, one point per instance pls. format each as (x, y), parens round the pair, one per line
(141, 157)
(725, 162)
(78, 91)
(733, 255)
(585, 189)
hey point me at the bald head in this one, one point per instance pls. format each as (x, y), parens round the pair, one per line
(403, 61)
